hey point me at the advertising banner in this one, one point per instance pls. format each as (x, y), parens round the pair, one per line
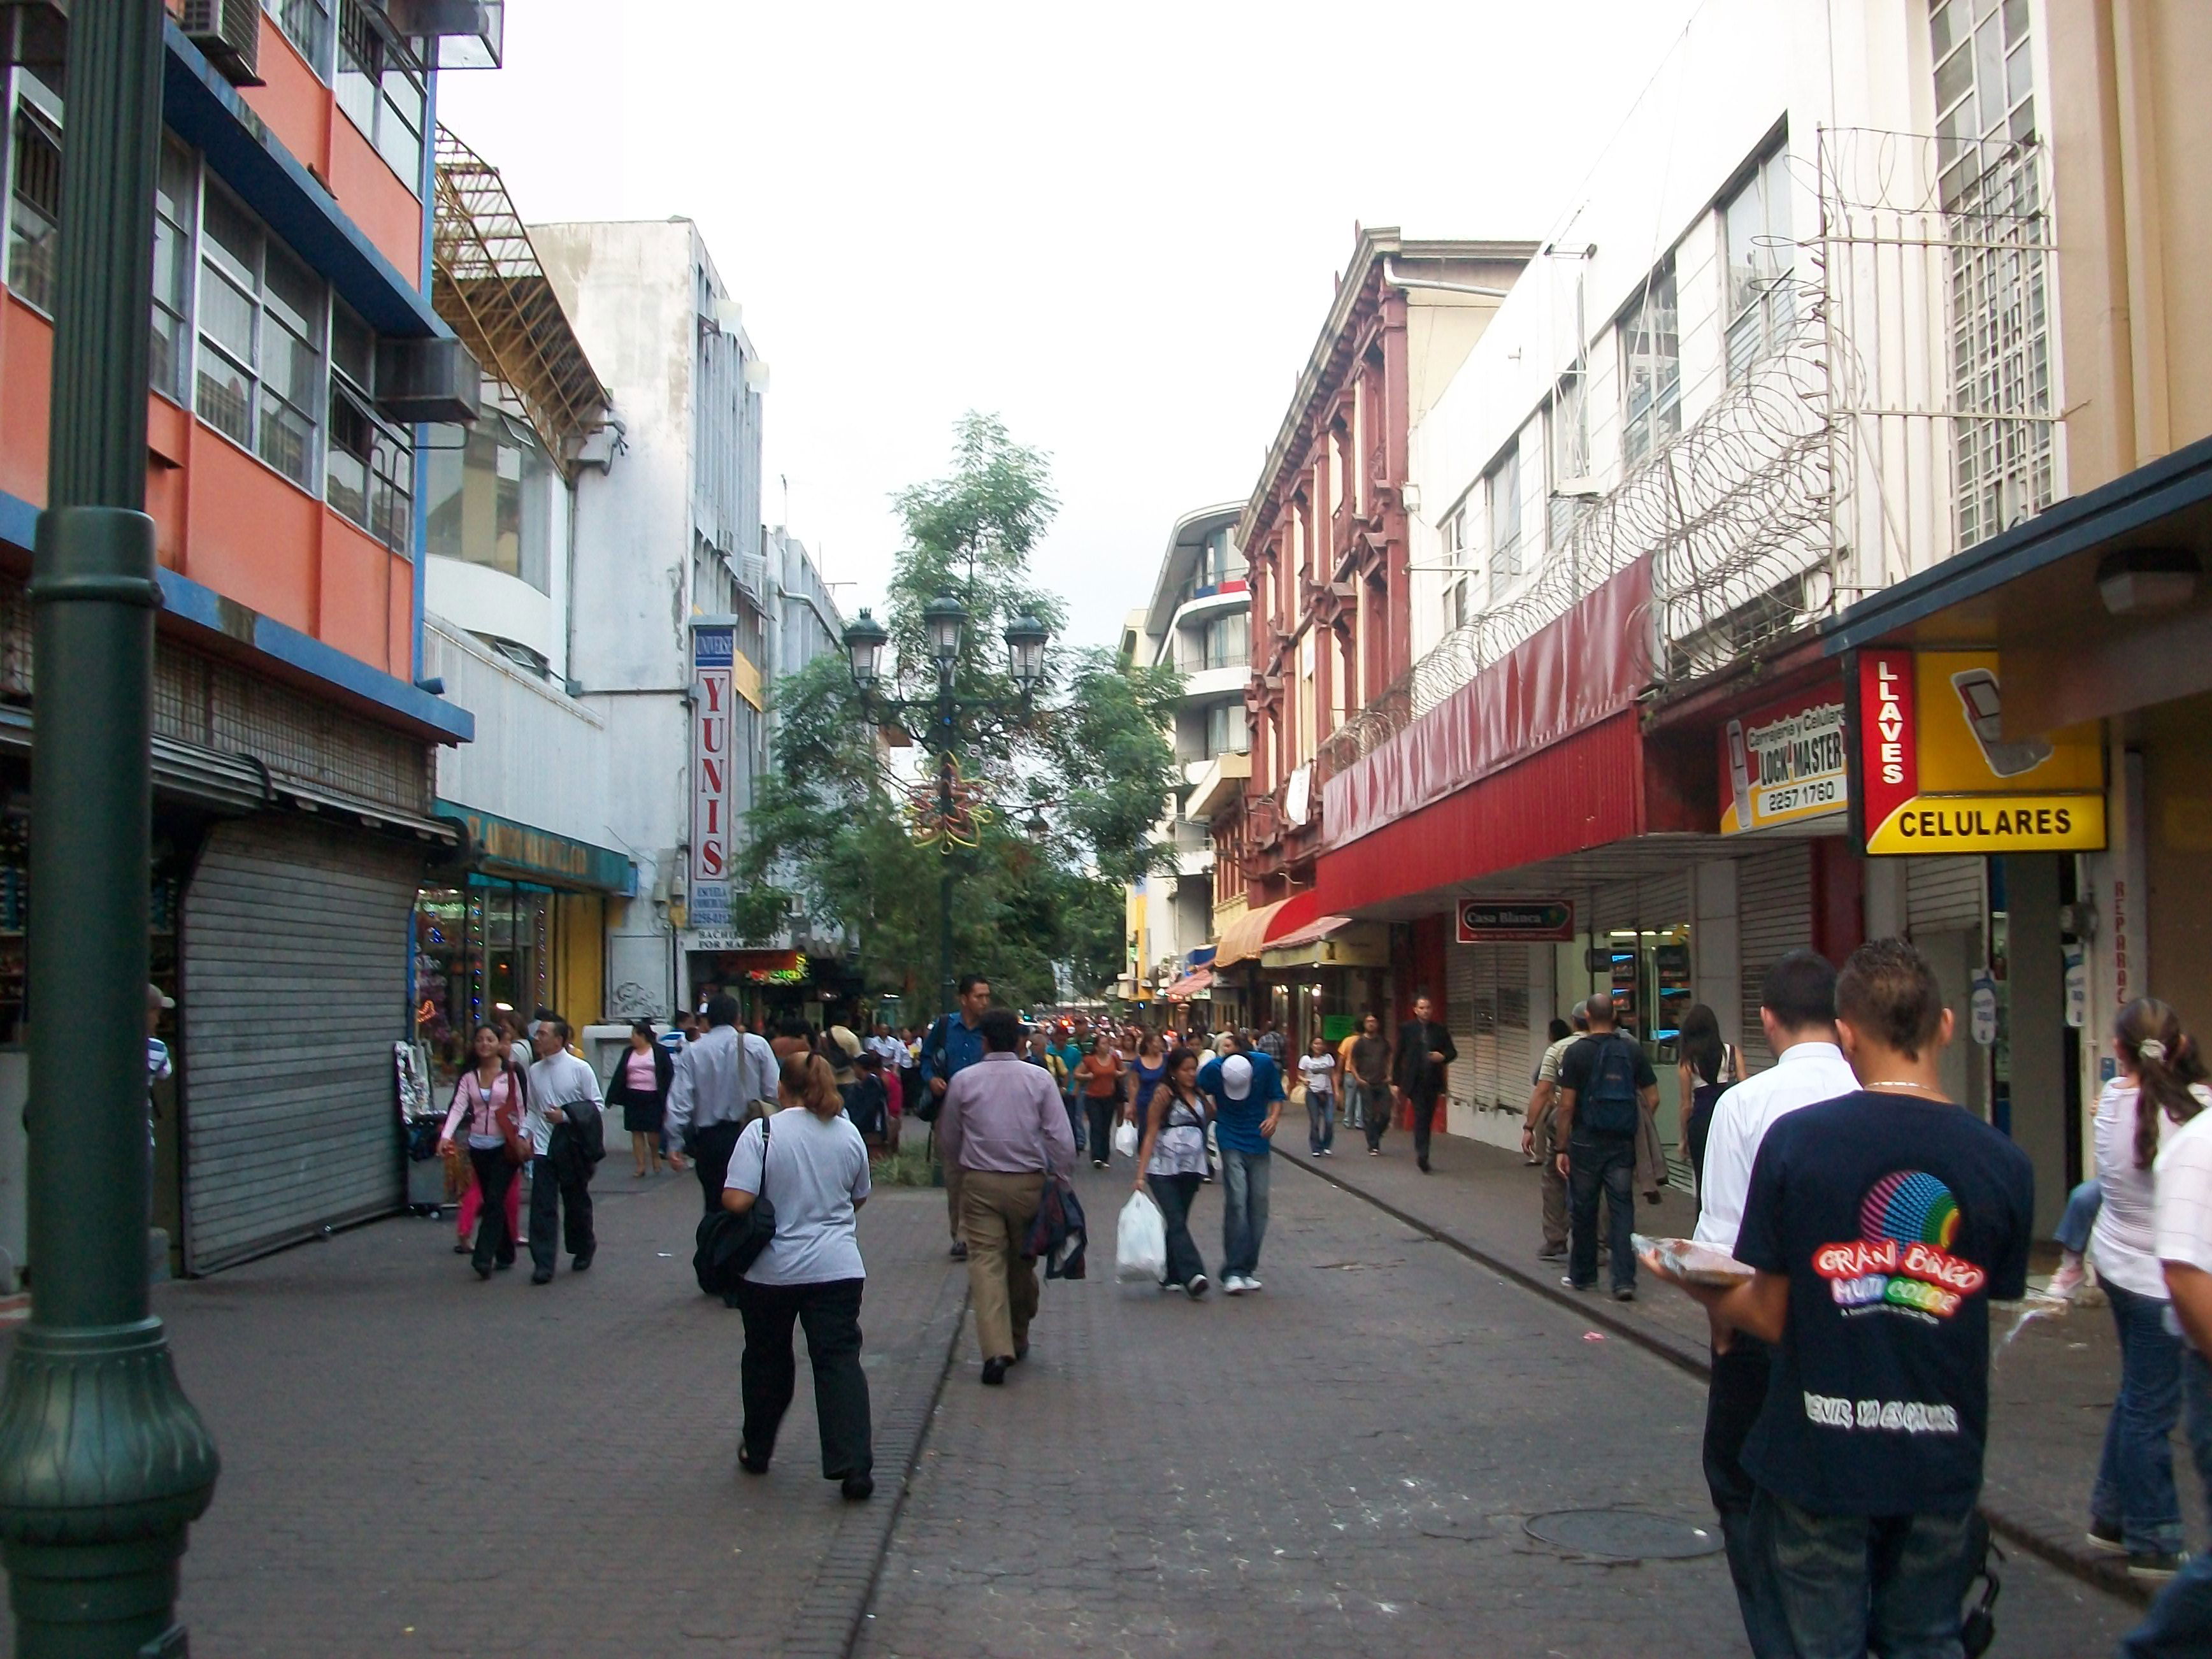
(1937, 774)
(1784, 764)
(712, 651)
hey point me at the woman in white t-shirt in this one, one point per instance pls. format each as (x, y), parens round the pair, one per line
(2134, 1509)
(812, 1165)
(1318, 1067)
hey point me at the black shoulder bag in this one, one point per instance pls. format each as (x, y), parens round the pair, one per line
(728, 1243)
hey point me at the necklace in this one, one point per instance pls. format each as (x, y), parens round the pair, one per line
(1903, 1083)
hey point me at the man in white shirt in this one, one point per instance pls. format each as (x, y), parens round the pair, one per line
(1797, 1011)
(567, 1136)
(2180, 1620)
(711, 1094)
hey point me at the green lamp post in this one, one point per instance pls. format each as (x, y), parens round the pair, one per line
(103, 1461)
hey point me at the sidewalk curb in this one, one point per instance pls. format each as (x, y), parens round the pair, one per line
(2018, 1522)
(828, 1623)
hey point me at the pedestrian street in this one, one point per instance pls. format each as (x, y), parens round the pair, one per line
(1348, 1462)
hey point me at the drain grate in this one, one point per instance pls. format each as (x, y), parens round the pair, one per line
(1625, 1534)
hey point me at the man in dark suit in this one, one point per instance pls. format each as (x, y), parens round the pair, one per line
(1424, 1051)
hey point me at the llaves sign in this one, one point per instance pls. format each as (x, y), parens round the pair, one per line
(1937, 774)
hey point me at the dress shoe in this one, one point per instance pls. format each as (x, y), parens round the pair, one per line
(543, 1276)
(1021, 1351)
(583, 1262)
(751, 1462)
(859, 1488)
(959, 1250)
(462, 1247)
(483, 1272)
(994, 1371)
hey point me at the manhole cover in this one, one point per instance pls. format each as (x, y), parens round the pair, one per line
(1625, 1535)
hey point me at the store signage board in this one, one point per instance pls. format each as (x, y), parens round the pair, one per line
(713, 650)
(1936, 773)
(1784, 764)
(1504, 921)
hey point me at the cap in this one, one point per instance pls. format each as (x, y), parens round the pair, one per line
(157, 998)
(1237, 1076)
(843, 1037)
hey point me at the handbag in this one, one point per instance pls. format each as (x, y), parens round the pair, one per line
(520, 1148)
(726, 1244)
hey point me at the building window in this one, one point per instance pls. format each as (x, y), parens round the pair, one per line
(307, 25)
(1569, 434)
(1760, 259)
(262, 317)
(1503, 486)
(379, 84)
(371, 472)
(34, 221)
(1651, 371)
(486, 499)
(1457, 610)
(1225, 642)
(174, 202)
(1227, 732)
(1218, 560)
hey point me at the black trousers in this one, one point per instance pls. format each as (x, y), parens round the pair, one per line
(1102, 1114)
(558, 1210)
(768, 1373)
(1425, 1116)
(1174, 1193)
(1602, 1164)
(1381, 1104)
(710, 1152)
(1734, 1399)
(495, 1175)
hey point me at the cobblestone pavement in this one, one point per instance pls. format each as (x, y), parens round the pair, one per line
(1343, 1464)
(417, 1462)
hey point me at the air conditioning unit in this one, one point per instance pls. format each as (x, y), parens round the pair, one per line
(428, 379)
(229, 33)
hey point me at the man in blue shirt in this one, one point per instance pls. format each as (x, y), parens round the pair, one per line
(1247, 1091)
(952, 1044)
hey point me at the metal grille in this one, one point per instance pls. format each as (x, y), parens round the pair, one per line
(1944, 893)
(1774, 911)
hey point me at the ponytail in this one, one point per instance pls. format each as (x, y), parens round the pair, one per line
(2166, 1067)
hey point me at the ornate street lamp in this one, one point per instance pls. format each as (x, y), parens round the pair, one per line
(865, 640)
(1026, 639)
(945, 620)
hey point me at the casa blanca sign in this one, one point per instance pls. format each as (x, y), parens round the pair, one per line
(713, 774)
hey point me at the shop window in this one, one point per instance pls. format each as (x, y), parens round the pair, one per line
(486, 498)
(262, 319)
(1651, 371)
(379, 84)
(35, 208)
(371, 474)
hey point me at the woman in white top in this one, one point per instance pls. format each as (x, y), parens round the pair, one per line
(2133, 1509)
(810, 1162)
(1173, 1160)
(1317, 1066)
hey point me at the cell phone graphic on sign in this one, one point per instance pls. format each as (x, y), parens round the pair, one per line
(1977, 694)
(1739, 774)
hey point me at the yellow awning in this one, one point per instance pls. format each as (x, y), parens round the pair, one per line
(1242, 938)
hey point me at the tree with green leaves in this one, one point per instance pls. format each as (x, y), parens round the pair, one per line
(1087, 754)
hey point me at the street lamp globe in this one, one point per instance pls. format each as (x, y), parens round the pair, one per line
(1026, 639)
(865, 638)
(945, 620)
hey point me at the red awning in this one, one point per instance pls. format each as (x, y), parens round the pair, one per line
(1196, 983)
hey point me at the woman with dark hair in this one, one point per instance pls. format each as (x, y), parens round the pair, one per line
(2134, 1509)
(490, 1097)
(1148, 1065)
(1099, 1076)
(809, 1162)
(1172, 1159)
(1707, 1066)
(639, 1085)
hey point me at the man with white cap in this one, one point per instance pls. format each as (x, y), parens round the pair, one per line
(1247, 1091)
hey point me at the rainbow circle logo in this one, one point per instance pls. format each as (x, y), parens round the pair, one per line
(1911, 1207)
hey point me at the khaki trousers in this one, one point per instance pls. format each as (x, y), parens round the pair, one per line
(953, 1174)
(995, 1214)
(1555, 1185)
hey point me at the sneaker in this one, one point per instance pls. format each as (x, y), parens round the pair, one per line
(1232, 1285)
(1624, 1294)
(1196, 1287)
(1251, 1284)
(1374, 1152)
(1097, 1162)
(2157, 1567)
(1568, 1281)
(2069, 1278)
(2107, 1538)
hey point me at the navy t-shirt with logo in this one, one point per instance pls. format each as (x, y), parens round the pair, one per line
(1897, 1220)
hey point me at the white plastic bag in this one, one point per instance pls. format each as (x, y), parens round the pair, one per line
(1140, 1241)
(1125, 1138)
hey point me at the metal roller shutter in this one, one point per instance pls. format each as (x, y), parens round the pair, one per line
(1459, 1011)
(1664, 901)
(1481, 1073)
(1945, 892)
(1516, 1051)
(1774, 915)
(294, 986)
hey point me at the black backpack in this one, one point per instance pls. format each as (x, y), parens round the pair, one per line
(1608, 1106)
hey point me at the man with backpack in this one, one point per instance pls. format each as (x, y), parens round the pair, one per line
(954, 1043)
(1605, 1084)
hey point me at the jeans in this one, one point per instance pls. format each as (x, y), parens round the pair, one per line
(710, 1151)
(1425, 1113)
(767, 1374)
(2135, 1479)
(1244, 1211)
(1733, 1400)
(1174, 1193)
(2081, 1206)
(1102, 1114)
(2179, 1625)
(495, 1229)
(1606, 1163)
(1895, 1584)
(1321, 1121)
(562, 1209)
(1075, 1122)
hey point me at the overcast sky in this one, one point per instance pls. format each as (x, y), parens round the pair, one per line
(1116, 227)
